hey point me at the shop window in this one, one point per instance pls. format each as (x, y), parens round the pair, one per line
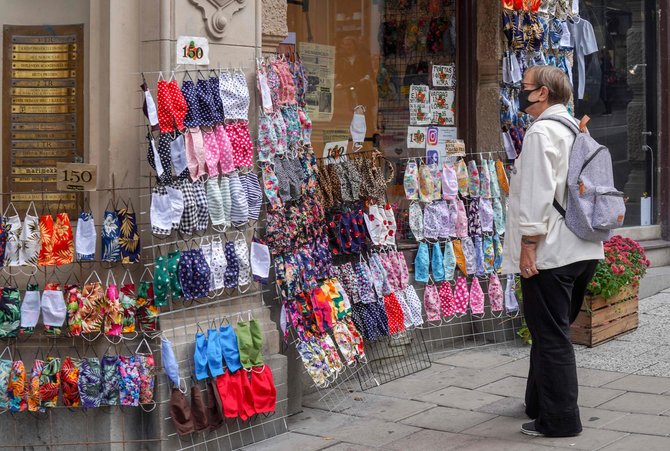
(370, 53)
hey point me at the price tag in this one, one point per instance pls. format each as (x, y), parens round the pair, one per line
(192, 50)
(76, 177)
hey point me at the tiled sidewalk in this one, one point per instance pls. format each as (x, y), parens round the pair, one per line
(472, 400)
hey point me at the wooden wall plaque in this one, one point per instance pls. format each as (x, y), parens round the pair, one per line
(43, 112)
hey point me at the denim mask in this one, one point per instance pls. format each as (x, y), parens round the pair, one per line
(511, 303)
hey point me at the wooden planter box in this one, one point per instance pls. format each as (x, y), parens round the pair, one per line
(602, 319)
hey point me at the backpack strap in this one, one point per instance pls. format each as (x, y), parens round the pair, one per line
(559, 208)
(575, 129)
(563, 120)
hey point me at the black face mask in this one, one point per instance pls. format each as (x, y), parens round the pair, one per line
(524, 103)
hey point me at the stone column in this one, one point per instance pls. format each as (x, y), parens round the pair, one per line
(488, 61)
(274, 24)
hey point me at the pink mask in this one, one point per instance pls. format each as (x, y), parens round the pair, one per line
(461, 220)
(431, 302)
(461, 296)
(476, 298)
(449, 183)
(495, 293)
(447, 300)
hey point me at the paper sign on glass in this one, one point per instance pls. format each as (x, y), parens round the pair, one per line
(444, 75)
(416, 137)
(335, 151)
(442, 107)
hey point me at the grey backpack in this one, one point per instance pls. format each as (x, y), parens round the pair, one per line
(594, 207)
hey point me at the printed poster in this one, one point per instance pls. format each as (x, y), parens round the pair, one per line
(444, 76)
(416, 137)
(319, 63)
(419, 105)
(443, 107)
(335, 151)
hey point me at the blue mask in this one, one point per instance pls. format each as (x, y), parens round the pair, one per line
(169, 361)
(479, 252)
(231, 352)
(200, 356)
(437, 263)
(214, 356)
(421, 263)
(449, 261)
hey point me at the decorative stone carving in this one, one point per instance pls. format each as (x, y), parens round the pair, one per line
(217, 14)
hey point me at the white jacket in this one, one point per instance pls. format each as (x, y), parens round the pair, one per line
(539, 176)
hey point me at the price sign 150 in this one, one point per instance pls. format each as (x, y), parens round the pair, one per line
(76, 177)
(193, 52)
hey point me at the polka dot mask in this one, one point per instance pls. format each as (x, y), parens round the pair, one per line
(461, 297)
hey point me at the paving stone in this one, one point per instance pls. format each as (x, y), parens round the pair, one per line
(472, 378)
(413, 386)
(639, 403)
(639, 441)
(459, 398)
(597, 418)
(447, 419)
(475, 359)
(502, 428)
(594, 396)
(643, 384)
(510, 386)
(429, 439)
(349, 447)
(317, 422)
(517, 368)
(509, 407)
(596, 378)
(641, 424)
(489, 444)
(385, 407)
(290, 442)
(372, 432)
(589, 439)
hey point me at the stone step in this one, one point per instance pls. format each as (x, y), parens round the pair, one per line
(656, 280)
(658, 252)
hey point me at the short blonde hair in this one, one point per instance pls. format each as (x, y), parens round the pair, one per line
(556, 81)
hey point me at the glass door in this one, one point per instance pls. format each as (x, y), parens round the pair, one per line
(620, 96)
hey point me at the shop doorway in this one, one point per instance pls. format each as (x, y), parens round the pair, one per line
(621, 97)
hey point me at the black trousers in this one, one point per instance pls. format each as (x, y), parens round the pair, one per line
(551, 302)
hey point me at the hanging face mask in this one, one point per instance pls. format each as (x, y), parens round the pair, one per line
(149, 106)
(411, 181)
(426, 183)
(449, 261)
(169, 361)
(260, 262)
(437, 263)
(470, 254)
(476, 298)
(358, 127)
(449, 182)
(421, 264)
(416, 221)
(511, 303)
(30, 308)
(461, 296)
(447, 300)
(431, 303)
(85, 238)
(462, 177)
(524, 101)
(53, 307)
(495, 293)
